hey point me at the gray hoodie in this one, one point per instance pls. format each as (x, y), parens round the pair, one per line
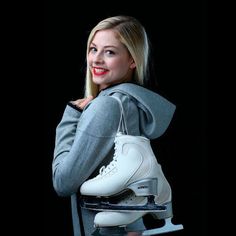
(85, 140)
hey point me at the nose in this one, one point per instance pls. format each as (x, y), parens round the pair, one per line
(98, 58)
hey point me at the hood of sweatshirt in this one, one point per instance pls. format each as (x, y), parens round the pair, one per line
(155, 111)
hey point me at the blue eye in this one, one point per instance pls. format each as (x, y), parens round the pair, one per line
(109, 52)
(92, 49)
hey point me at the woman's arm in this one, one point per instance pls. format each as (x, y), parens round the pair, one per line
(82, 143)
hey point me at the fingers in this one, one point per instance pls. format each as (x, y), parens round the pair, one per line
(89, 98)
(81, 103)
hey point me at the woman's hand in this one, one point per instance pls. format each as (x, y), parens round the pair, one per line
(81, 103)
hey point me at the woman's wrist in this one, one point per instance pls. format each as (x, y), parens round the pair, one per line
(71, 104)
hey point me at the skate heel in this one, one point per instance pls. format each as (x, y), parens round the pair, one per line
(167, 217)
(145, 187)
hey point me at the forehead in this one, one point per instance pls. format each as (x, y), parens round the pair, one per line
(106, 38)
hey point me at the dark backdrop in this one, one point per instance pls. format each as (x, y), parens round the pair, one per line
(177, 31)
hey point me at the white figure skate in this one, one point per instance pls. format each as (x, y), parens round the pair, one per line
(133, 170)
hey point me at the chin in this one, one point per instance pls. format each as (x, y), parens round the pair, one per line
(98, 81)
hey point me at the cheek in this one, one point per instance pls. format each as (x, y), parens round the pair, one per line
(123, 66)
(89, 59)
(117, 64)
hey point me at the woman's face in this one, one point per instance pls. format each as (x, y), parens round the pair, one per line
(109, 60)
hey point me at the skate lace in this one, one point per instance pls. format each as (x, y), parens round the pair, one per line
(104, 169)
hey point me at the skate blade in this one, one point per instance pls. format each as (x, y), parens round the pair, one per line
(168, 227)
(123, 209)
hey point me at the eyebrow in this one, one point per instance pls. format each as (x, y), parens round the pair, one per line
(107, 46)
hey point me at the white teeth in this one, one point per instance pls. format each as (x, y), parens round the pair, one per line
(99, 70)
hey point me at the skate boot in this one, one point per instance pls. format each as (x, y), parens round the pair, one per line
(134, 166)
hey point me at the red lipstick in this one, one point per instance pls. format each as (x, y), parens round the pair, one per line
(99, 71)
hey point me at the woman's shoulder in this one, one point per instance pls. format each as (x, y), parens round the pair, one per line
(124, 98)
(102, 103)
(110, 103)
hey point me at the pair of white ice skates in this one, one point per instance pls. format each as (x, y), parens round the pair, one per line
(135, 173)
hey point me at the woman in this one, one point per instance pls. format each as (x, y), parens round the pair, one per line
(117, 66)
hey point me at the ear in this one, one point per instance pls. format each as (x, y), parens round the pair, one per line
(132, 65)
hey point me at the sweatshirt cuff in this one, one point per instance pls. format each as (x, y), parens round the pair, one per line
(74, 106)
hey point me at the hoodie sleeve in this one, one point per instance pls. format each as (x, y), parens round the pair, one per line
(82, 143)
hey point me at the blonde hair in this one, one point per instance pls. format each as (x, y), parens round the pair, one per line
(133, 35)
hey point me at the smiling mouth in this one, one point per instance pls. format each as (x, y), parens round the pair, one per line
(99, 71)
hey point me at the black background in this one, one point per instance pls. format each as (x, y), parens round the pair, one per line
(178, 33)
